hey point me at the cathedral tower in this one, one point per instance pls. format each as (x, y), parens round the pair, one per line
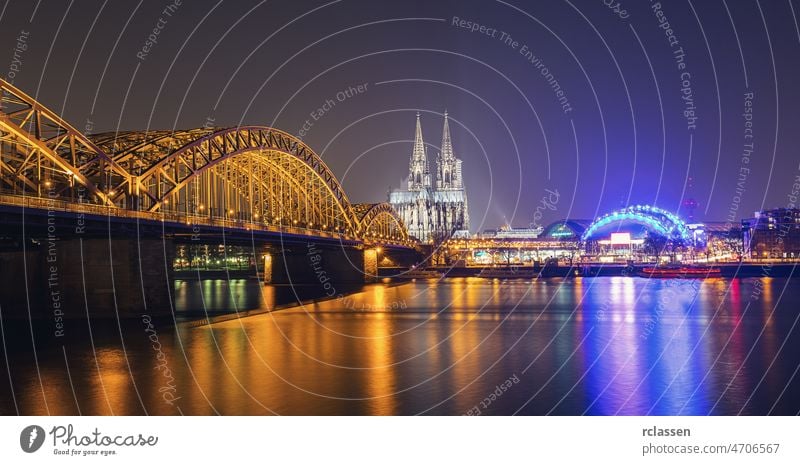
(448, 167)
(419, 176)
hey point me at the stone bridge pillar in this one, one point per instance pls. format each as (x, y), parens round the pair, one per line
(371, 265)
(320, 265)
(70, 278)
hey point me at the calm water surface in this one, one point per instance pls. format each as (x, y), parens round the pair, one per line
(598, 346)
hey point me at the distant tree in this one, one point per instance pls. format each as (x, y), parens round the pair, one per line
(655, 244)
(676, 244)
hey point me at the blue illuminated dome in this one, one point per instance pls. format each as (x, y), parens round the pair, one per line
(565, 230)
(637, 220)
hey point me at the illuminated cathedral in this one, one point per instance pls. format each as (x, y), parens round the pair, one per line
(433, 207)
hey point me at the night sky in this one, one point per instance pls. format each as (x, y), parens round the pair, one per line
(638, 115)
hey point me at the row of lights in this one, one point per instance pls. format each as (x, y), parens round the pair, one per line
(310, 225)
(277, 220)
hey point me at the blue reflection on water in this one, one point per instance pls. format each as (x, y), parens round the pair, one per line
(599, 346)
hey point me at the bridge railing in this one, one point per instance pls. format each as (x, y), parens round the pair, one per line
(100, 210)
(86, 208)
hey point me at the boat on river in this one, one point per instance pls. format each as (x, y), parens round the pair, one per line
(421, 273)
(508, 273)
(685, 272)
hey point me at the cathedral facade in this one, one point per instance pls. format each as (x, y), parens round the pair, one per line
(433, 206)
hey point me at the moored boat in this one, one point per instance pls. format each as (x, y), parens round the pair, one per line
(680, 272)
(420, 273)
(508, 273)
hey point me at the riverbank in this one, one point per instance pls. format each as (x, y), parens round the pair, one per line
(728, 270)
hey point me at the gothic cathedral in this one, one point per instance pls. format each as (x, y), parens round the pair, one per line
(433, 210)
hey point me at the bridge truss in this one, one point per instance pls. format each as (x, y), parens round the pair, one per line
(249, 175)
(381, 223)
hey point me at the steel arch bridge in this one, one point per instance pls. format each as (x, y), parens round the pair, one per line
(249, 177)
(380, 223)
(653, 218)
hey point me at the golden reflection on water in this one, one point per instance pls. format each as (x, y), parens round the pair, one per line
(380, 381)
(116, 379)
(402, 349)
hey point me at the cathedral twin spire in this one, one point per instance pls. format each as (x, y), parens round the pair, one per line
(448, 167)
(434, 206)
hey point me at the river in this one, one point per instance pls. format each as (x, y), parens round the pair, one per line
(595, 346)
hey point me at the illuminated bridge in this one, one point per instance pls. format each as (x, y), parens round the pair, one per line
(252, 185)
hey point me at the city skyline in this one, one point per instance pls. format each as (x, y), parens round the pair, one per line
(427, 208)
(425, 57)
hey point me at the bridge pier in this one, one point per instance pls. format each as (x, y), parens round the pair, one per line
(327, 266)
(370, 265)
(72, 278)
(400, 258)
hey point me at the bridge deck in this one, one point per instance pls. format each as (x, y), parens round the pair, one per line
(177, 223)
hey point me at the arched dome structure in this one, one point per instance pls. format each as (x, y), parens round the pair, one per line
(637, 219)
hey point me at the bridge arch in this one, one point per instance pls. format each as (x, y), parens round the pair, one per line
(250, 174)
(43, 155)
(380, 222)
(246, 173)
(651, 218)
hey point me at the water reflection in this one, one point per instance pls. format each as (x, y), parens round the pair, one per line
(605, 346)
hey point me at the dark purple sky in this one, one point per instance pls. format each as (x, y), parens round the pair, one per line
(625, 139)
